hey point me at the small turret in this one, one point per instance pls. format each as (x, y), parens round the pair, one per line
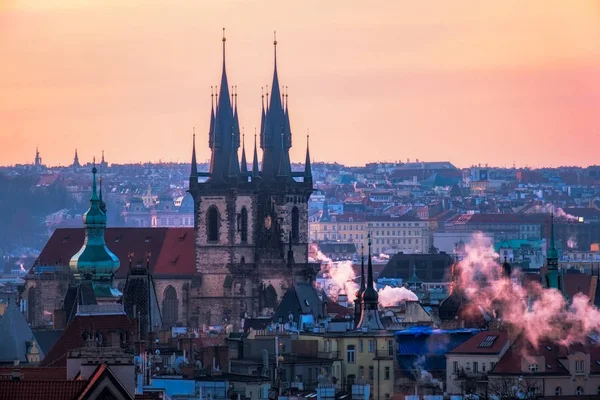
(94, 260)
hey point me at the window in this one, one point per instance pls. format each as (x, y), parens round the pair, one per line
(475, 367)
(579, 366)
(492, 365)
(212, 222)
(390, 347)
(533, 367)
(361, 372)
(598, 390)
(386, 374)
(558, 391)
(482, 367)
(244, 225)
(361, 346)
(455, 367)
(579, 391)
(372, 346)
(351, 354)
(371, 372)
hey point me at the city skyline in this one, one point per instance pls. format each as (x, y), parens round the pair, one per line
(442, 83)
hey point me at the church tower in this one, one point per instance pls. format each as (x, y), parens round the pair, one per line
(245, 217)
(553, 278)
(369, 319)
(94, 265)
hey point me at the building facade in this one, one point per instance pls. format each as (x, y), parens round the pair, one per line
(405, 234)
(251, 224)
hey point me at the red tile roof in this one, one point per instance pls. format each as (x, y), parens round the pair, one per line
(510, 364)
(580, 283)
(477, 344)
(171, 250)
(36, 390)
(73, 339)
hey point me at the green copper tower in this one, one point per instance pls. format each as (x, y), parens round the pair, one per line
(94, 261)
(553, 279)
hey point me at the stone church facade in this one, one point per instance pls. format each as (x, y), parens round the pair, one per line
(251, 224)
(250, 238)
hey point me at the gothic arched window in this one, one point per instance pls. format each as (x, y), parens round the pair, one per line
(270, 297)
(212, 224)
(295, 224)
(170, 306)
(33, 300)
(244, 225)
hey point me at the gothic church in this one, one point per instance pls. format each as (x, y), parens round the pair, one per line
(251, 223)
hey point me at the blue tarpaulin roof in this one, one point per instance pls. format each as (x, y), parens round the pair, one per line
(432, 343)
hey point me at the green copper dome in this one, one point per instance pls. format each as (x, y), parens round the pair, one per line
(94, 260)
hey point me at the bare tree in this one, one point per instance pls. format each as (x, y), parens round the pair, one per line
(509, 388)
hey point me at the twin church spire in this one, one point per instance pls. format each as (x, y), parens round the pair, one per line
(224, 136)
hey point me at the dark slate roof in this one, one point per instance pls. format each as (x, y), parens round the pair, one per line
(46, 338)
(14, 334)
(256, 324)
(301, 298)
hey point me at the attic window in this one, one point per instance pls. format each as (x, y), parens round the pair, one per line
(182, 237)
(306, 302)
(548, 348)
(65, 239)
(174, 261)
(548, 366)
(117, 239)
(598, 362)
(148, 239)
(488, 341)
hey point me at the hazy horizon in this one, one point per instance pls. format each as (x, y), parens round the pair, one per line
(465, 81)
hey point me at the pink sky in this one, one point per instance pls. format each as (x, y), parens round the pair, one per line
(497, 82)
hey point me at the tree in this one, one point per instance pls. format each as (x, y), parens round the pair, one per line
(509, 388)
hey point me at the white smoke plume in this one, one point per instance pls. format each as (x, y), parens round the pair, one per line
(423, 376)
(340, 278)
(558, 212)
(536, 313)
(392, 296)
(572, 242)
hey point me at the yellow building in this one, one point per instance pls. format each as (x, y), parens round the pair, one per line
(348, 228)
(405, 234)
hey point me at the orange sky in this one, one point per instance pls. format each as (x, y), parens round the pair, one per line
(468, 81)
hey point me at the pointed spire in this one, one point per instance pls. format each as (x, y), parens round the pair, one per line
(307, 166)
(244, 164)
(362, 269)
(262, 116)
(275, 89)
(282, 170)
(94, 190)
(255, 171)
(211, 129)
(194, 169)
(370, 296)
(552, 253)
(102, 162)
(101, 200)
(234, 166)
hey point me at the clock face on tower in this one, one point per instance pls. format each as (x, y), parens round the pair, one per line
(268, 222)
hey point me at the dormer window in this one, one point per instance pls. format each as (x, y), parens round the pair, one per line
(533, 367)
(579, 367)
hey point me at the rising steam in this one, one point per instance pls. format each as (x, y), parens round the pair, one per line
(529, 310)
(340, 278)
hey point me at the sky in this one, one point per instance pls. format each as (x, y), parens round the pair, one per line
(469, 81)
